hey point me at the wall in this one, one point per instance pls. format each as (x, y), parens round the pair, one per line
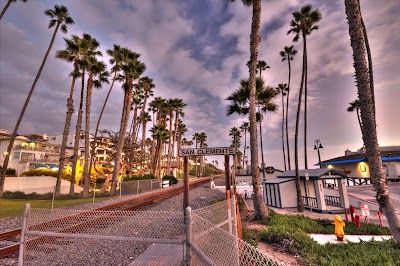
(38, 184)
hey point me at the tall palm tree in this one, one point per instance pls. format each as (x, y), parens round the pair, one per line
(261, 211)
(72, 54)
(97, 74)
(178, 106)
(355, 105)
(196, 137)
(287, 55)
(6, 7)
(261, 66)
(170, 107)
(282, 90)
(89, 46)
(202, 141)
(235, 134)
(115, 61)
(244, 127)
(181, 130)
(370, 138)
(304, 23)
(132, 68)
(59, 17)
(161, 135)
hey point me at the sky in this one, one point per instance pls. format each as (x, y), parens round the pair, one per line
(197, 51)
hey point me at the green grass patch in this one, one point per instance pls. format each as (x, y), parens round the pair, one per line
(15, 207)
(322, 226)
(290, 233)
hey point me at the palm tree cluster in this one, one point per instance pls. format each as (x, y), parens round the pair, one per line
(132, 150)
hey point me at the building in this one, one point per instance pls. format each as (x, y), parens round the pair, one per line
(355, 164)
(27, 154)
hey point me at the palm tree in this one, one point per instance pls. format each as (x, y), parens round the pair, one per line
(370, 138)
(303, 23)
(202, 141)
(196, 137)
(132, 68)
(88, 46)
(178, 106)
(72, 53)
(287, 55)
(262, 65)
(6, 7)
(235, 134)
(355, 105)
(244, 127)
(282, 89)
(96, 69)
(60, 19)
(116, 61)
(161, 135)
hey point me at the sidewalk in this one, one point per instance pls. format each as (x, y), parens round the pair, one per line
(324, 239)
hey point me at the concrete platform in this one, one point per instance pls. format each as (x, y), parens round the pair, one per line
(324, 239)
(160, 255)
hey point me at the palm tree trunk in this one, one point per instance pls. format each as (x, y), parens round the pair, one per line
(283, 132)
(370, 138)
(244, 148)
(287, 112)
(98, 125)
(261, 211)
(359, 118)
(70, 111)
(300, 203)
(5, 9)
(121, 137)
(305, 99)
(170, 144)
(77, 137)
(21, 115)
(86, 176)
(262, 150)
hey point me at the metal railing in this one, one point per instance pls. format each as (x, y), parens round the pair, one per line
(36, 160)
(200, 237)
(29, 148)
(310, 202)
(332, 201)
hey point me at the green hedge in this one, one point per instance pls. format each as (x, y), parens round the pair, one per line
(46, 172)
(36, 196)
(139, 177)
(172, 179)
(11, 172)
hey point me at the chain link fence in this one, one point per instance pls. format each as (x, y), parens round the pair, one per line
(204, 236)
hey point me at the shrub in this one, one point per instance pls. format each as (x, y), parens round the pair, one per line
(251, 236)
(11, 172)
(46, 172)
(172, 179)
(36, 196)
(139, 177)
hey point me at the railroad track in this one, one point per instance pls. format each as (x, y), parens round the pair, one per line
(9, 241)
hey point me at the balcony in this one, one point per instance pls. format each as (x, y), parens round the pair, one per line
(41, 160)
(42, 149)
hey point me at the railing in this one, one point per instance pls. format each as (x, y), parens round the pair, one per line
(310, 201)
(53, 150)
(332, 201)
(34, 160)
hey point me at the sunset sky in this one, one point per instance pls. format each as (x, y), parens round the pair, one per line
(197, 51)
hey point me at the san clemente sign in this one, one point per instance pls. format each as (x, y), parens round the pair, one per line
(206, 151)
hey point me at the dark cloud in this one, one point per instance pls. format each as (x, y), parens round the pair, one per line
(197, 51)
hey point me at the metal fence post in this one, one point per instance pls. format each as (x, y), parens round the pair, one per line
(52, 201)
(188, 212)
(94, 192)
(137, 190)
(23, 232)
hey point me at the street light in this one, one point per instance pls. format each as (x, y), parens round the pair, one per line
(317, 146)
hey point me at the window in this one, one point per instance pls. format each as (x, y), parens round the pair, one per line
(16, 155)
(53, 138)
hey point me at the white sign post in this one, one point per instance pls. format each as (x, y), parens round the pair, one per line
(365, 211)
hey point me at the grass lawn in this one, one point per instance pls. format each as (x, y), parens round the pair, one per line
(15, 207)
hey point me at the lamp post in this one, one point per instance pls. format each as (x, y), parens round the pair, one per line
(317, 146)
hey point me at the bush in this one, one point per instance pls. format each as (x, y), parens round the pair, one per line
(36, 196)
(251, 236)
(139, 177)
(172, 179)
(46, 172)
(11, 172)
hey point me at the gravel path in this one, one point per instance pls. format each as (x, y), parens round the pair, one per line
(199, 197)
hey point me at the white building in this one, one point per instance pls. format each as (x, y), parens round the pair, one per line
(27, 154)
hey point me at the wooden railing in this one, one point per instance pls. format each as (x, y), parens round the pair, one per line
(310, 202)
(332, 201)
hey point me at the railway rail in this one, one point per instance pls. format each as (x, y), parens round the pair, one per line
(9, 241)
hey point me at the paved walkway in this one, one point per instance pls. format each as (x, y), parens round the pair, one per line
(324, 239)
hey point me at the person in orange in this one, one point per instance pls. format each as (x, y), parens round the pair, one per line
(339, 225)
